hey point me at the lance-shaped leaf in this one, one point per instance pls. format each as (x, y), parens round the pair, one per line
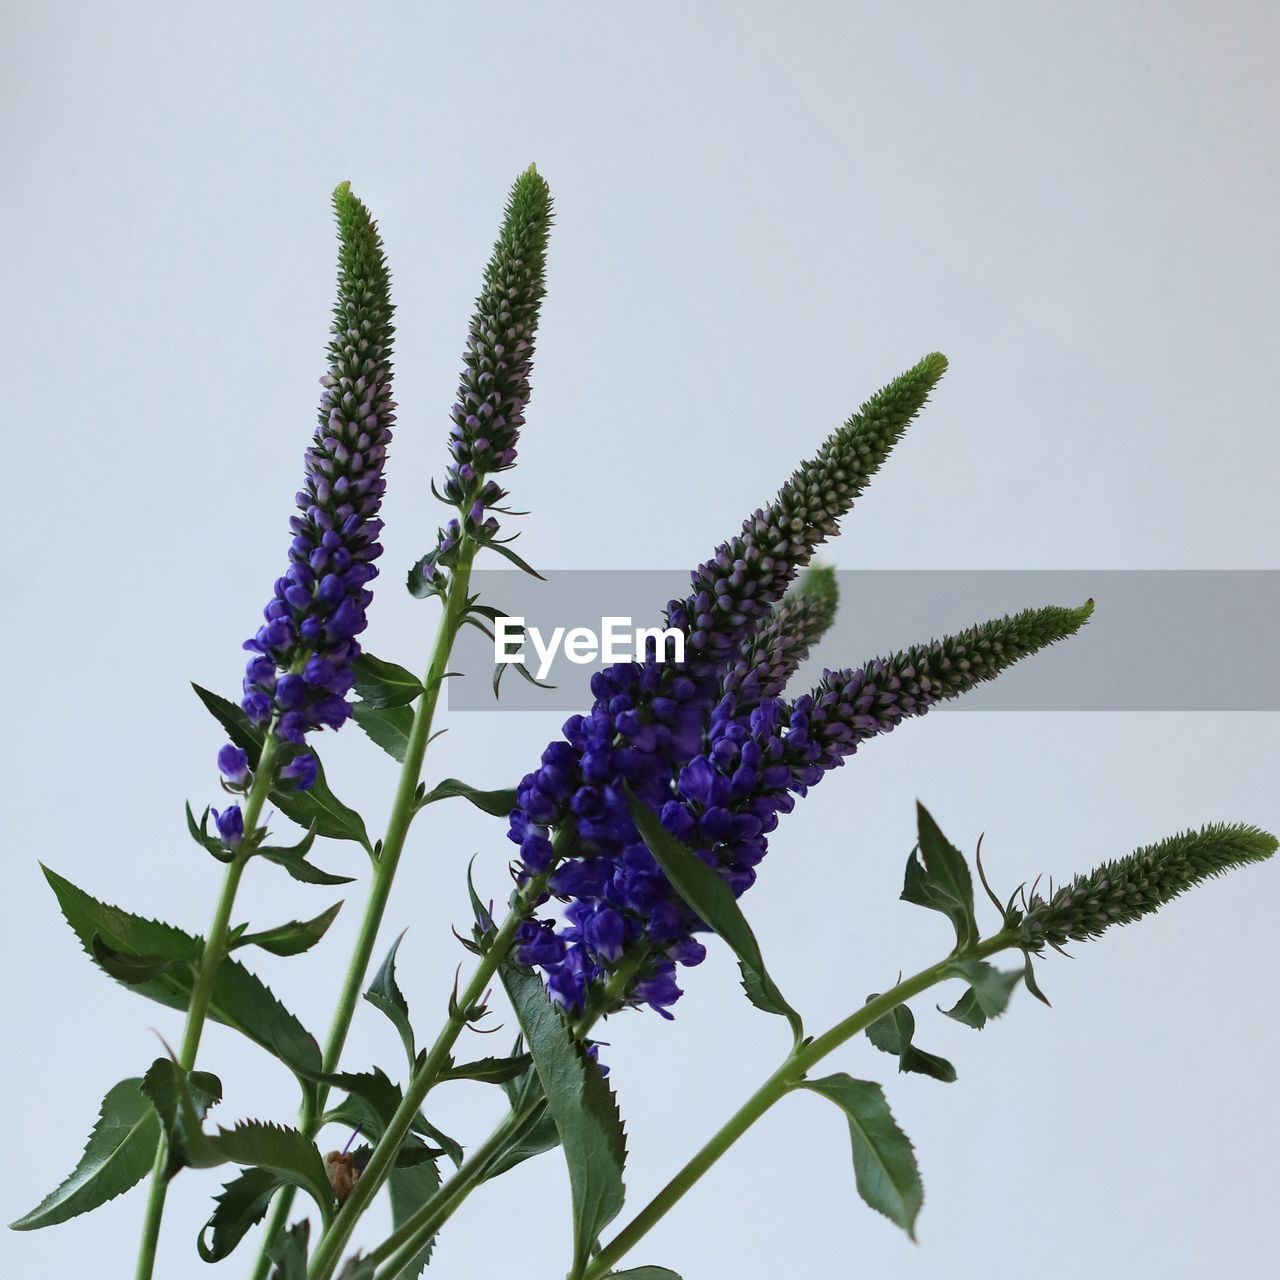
(938, 878)
(372, 1099)
(713, 900)
(387, 727)
(490, 1070)
(408, 1190)
(240, 999)
(316, 807)
(181, 1101)
(583, 1107)
(498, 803)
(289, 1252)
(537, 1133)
(384, 993)
(383, 684)
(988, 994)
(293, 937)
(884, 1164)
(644, 1273)
(293, 858)
(242, 1204)
(120, 1152)
(893, 1032)
(132, 970)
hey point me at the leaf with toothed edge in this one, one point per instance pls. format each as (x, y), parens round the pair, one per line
(884, 1164)
(289, 1252)
(243, 1203)
(386, 727)
(988, 994)
(408, 1190)
(489, 1070)
(384, 994)
(118, 1155)
(316, 807)
(582, 1105)
(938, 878)
(240, 999)
(893, 1033)
(713, 900)
(497, 803)
(384, 684)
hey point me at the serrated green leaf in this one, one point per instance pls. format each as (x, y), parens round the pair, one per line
(497, 803)
(384, 994)
(388, 727)
(181, 1100)
(317, 807)
(489, 1070)
(289, 1252)
(242, 1205)
(384, 684)
(504, 550)
(893, 1032)
(361, 1267)
(583, 1107)
(119, 1154)
(292, 938)
(988, 994)
(409, 1190)
(938, 878)
(884, 1164)
(644, 1273)
(713, 900)
(129, 969)
(284, 1152)
(240, 999)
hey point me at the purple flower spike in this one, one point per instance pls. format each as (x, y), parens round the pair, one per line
(230, 824)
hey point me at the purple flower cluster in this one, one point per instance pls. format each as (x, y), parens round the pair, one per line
(303, 654)
(720, 782)
(494, 389)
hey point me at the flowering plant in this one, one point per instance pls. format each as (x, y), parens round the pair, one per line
(638, 832)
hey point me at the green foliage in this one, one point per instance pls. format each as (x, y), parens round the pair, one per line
(240, 999)
(317, 808)
(496, 803)
(988, 994)
(644, 1273)
(243, 1203)
(291, 938)
(713, 900)
(893, 1034)
(409, 1189)
(884, 1164)
(387, 727)
(383, 684)
(583, 1107)
(938, 878)
(289, 1253)
(490, 1070)
(119, 1153)
(384, 994)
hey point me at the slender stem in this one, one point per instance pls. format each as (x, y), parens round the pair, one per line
(384, 874)
(382, 1160)
(787, 1077)
(211, 957)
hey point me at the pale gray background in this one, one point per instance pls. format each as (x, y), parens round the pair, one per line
(763, 213)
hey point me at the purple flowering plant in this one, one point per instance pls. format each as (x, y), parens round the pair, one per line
(635, 836)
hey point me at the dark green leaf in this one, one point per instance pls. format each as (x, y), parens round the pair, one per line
(317, 807)
(388, 727)
(120, 1152)
(583, 1107)
(293, 858)
(243, 1203)
(713, 900)
(503, 550)
(422, 585)
(893, 1034)
(361, 1267)
(289, 1253)
(383, 684)
(384, 993)
(182, 1100)
(938, 878)
(129, 969)
(489, 1070)
(498, 803)
(240, 999)
(643, 1273)
(287, 1154)
(293, 938)
(988, 994)
(409, 1190)
(884, 1165)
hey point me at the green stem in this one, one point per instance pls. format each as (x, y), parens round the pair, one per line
(384, 874)
(211, 958)
(789, 1076)
(382, 1161)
